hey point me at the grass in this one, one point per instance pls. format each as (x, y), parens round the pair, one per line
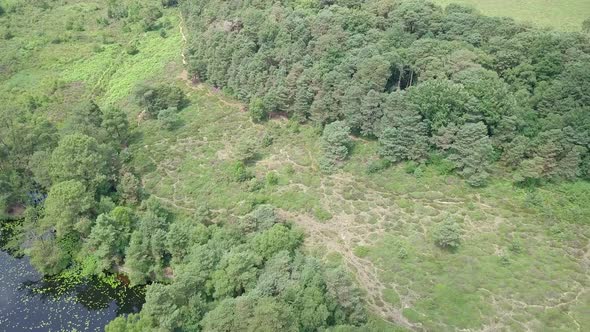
(565, 15)
(380, 224)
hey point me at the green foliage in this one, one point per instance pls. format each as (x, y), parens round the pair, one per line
(116, 124)
(471, 152)
(240, 173)
(109, 238)
(169, 118)
(155, 98)
(257, 110)
(278, 237)
(336, 144)
(272, 179)
(378, 165)
(80, 157)
(447, 234)
(406, 140)
(67, 208)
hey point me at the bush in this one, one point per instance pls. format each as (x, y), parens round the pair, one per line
(336, 143)
(448, 234)
(272, 179)
(378, 165)
(257, 110)
(169, 118)
(246, 150)
(131, 49)
(267, 140)
(155, 98)
(169, 3)
(440, 164)
(240, 173)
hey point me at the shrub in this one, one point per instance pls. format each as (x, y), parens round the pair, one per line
(336, 143)
(155, 98)
(272, 179)
(246, 150)
(267, 140)
(378, 165)
(448, 234)
(240, 173)
(257, 110)
(131, 49)
(169, 118)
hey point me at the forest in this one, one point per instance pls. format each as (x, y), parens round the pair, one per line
(434, 92)
(425, 82)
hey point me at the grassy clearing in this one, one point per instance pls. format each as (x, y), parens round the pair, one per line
(566, 15)
(524, 257)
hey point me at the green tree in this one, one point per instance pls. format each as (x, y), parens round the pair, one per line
(169, 118)
(155, 98)
(406, 139)
(109, 238)
(80, 157)
(68, 207)
(336, 144)
(472, 152)
(129, 188)
(277, 238)
(237, 273)
(447, 234)
(116, 124)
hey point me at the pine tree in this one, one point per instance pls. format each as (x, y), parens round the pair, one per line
(406, 139)
(471, 152)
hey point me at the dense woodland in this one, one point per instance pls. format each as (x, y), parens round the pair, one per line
(479, 97)
(447, 86)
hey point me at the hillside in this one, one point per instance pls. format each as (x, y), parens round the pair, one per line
(562, 15)
(204, 179)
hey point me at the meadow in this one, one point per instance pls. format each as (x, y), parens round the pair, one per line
(565, 15)
(525, 254)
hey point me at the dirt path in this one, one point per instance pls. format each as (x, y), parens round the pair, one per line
(184, 40)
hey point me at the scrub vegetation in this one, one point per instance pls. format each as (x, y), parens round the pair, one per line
(301, 165)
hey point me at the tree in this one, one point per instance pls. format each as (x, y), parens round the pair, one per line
(277, 238)
(248, 313)
(67, 208)
(169, 118)
(370, 112)
(335, 144)
(146, 253)
(471, 152)
(237, 273)
(406, 139)
(341, 288)
(447, 234)
(80, 157)
(441, 102)
(257, 110)
(86, 118)
(129, 188)
(116, 124)
(109, 238)
(48, 257)
(155, 98)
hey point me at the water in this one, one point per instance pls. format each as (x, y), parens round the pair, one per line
(29, 302)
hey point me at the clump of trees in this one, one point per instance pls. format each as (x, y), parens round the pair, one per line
(419, 78)
(231, 276)
(157, 98)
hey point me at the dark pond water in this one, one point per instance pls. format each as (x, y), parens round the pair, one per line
(31, 303)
